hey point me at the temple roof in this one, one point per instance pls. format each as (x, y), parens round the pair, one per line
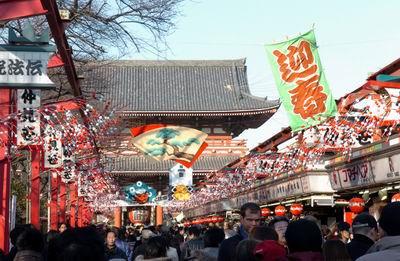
(140, 165)
(157, 87)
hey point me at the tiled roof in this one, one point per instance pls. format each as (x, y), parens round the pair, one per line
(176, 86)
(143, 165)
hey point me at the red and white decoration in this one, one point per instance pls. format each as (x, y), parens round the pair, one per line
(357, 205)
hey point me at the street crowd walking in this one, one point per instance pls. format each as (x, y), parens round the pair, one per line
(279, 240)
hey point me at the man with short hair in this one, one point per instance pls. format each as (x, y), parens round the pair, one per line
(194, 243)
(388, 247)
(250, 217)
(365, 233)
(111, 250)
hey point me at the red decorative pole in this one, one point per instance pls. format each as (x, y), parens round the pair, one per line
(53, 201)
(35, 186)
(5, 110)
(73, 197)
(63, 192)
(80, 211)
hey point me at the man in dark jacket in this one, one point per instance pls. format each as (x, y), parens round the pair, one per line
(365, 231)
(250, 217)
(112, 251)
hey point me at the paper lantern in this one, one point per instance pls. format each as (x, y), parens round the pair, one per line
(139, 216)
(280, 210)
(220, 219)
(214, 219)
(356, 205)
(296, 209)
(396, 197)
(265, 212)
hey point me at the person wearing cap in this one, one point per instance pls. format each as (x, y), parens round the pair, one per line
(341, 231)
(365, 233)
(250, 217)
(388, 247)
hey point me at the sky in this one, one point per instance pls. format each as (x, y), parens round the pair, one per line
(355, 39)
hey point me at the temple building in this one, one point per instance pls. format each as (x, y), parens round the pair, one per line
(209, 95)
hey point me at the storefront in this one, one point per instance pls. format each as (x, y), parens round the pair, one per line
(371, 172)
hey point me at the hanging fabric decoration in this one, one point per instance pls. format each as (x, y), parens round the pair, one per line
(180, 182)
(161, 142)
(301, 81)
(28, 122)
(52, 148)
(140, 193)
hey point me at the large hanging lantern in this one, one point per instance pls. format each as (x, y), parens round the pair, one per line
(214, 219)
(296, 209)
(265, 212)
(139, 216)
(396, 197)
(280, 210)
(220, 219)
(357, 205)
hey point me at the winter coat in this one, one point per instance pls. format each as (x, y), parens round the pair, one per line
(28, 255)
(114, 253)
(227, 249)
(359, 246)
(124, 246)
(190, 246)
(387, 248)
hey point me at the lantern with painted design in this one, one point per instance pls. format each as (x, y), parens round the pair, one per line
(357, 205)
(265, 212)
(280, 210)
(296, 209)
(396, 197)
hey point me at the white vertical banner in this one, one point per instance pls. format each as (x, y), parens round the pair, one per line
(180, 175)
(69, 173)
(82, 184)
(28, 122)
(52, 148)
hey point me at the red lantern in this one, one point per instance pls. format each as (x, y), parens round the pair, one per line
(280, 210)
(139, 216)
(220, 219)
(296, 209)
(214, 219)
(265, 212)
(356, 205)
(396, 197)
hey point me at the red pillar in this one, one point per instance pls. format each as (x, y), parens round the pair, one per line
(73, 197)
(53, 201)
(81, 205)
(5, 110)
(35, 187)
(62, 201)
(117, 217)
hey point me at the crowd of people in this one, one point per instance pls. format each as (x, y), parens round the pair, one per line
(277, 240)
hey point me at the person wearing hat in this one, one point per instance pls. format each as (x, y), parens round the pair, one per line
(388, 247)
(365, 233)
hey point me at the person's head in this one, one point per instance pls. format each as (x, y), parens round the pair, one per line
(389, 221)
(250, 216)
(121, 233)
(146, 235)
(334, 250)
(193, 232)
(228, 225)
(270, 250)
(365, 224)
(303, 235)
(155, 247)
(245, 250)
(280, 224)
(343, 231)
(111, 236)
(261, 233)
(77, 244)
(16, 232)
(30, 239)
(213, 237)
(62, 227)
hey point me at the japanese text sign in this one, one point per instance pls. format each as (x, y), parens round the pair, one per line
(28, 122)
(301, 81)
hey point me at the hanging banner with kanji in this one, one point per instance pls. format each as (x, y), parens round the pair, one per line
(52, 148)
(164, 142)
(301, 81)
(180, 182)
(28, 122)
